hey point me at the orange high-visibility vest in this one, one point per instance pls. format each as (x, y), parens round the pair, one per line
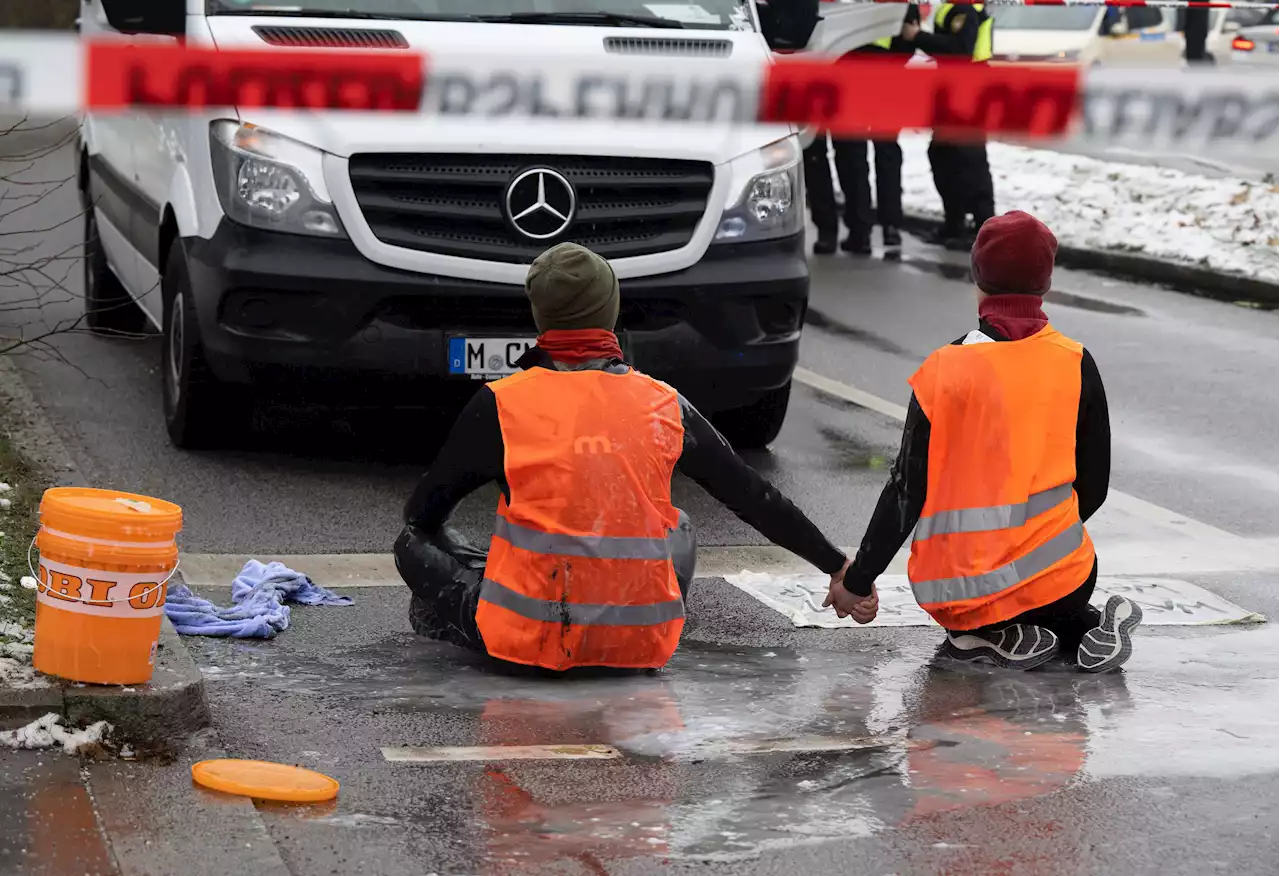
(579, 570)
(1000, 532)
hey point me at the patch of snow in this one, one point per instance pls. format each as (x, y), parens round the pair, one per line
(18, 674)
(5, 600)
(3, 577)
(17, 650)
(16, 631)
(1228, 224)
(6, 503)
(29, 583)
(48, 732)
(4, 488)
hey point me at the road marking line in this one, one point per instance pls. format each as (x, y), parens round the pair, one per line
(1117, 500)
(455, 754)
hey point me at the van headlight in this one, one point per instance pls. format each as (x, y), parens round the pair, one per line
(769, 198)
(268, 181)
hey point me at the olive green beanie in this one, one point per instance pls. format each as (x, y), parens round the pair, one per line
(570, 287)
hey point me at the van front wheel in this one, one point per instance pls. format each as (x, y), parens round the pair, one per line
(757, 425)
(199, 410)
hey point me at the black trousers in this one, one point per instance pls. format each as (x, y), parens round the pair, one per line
(855, 181)
(1069, 618)
(962, 177)
(445, 573)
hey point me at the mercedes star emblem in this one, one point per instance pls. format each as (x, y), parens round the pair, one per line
(541, 203)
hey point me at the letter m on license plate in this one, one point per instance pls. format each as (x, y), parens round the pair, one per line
(481, 358)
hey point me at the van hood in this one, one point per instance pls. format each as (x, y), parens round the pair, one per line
(346, 133)
(1040, 44)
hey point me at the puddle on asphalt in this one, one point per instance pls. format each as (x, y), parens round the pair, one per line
(729, 752)
(847, 452)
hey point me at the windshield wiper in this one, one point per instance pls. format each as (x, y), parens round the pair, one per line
(603, 19)
(284, 12)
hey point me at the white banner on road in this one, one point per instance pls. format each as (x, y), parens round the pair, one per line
(1164, 601)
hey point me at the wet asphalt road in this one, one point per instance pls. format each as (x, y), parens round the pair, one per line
(1169, 767)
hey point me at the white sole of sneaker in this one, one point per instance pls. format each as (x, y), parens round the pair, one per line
(974, 648)
(1108, 646)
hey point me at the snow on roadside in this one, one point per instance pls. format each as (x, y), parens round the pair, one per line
(48, 732)
(1229, 225)
(17, 674)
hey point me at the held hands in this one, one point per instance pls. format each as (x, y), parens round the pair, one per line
(862, 608)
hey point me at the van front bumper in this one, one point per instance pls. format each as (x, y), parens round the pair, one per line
(289, 309)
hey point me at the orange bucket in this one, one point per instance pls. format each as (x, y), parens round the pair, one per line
(105, 563)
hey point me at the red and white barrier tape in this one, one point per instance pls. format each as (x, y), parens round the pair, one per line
(1213, 112)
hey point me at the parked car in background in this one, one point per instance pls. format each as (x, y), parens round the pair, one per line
(1121, 36)
(1255, 45)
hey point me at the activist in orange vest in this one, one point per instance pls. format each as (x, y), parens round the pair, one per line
(1006, 452)
(590, 562)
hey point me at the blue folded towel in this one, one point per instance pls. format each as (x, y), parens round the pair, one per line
(258, 609)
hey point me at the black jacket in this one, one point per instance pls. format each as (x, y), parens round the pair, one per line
(473, 456)
(902, 499)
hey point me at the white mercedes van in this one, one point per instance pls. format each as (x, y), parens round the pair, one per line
(358, 252)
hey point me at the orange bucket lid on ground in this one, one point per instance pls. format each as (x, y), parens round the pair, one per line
(109, 514)
(264, 780)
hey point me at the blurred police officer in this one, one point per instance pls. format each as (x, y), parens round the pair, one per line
(961, 34)
(855, 176)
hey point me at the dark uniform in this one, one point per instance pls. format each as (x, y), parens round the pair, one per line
(855, 177)
(960, 170)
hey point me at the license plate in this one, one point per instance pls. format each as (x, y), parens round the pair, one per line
(482, 358)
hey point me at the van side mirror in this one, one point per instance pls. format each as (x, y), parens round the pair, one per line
(164, 17)
(788, 25)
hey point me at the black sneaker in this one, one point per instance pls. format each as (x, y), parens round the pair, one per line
(1109, 645)
(892, 237)
(1017, 646)
(826, 243)
(857, 244)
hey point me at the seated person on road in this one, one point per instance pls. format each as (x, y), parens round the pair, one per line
(1006, 452)
(590, 563)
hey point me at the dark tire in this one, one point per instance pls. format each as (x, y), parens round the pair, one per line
(757, 425)
(199, 410)
(109, 309)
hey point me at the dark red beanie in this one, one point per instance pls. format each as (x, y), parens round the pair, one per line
(1014, 255)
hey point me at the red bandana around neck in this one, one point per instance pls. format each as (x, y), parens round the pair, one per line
(1014, 316)
(576, 346)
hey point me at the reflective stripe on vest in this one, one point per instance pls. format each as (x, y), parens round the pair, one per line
(608, 547)
(992, 518)
(579, 613)
(884, 42)
(1024, 568)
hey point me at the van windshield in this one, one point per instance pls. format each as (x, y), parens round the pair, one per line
(700, 14)
(1044, 17)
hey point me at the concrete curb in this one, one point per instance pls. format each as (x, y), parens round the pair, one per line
(170, 707)
(164, 711)
(1182, 278)
(160, 713)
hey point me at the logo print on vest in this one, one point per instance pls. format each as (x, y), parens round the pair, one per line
(593, 444)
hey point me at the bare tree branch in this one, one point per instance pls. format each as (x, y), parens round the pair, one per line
(41, 301)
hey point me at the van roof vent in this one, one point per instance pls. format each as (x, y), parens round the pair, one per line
(683, 48)
(330, 37)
